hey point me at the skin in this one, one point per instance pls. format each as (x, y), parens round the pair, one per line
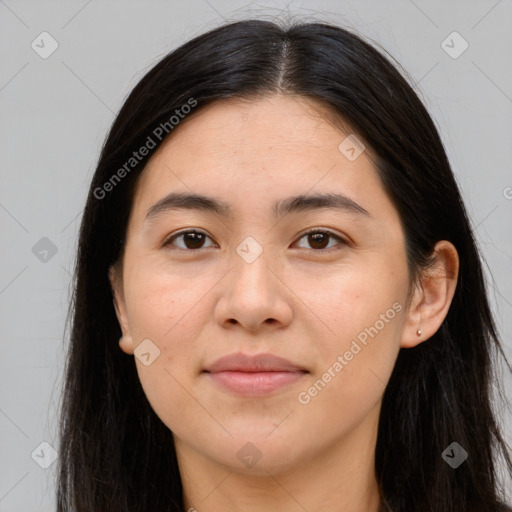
(298, 300)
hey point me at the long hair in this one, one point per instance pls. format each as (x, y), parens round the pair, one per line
(115, 453)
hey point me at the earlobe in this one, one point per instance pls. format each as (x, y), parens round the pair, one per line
(126, 344)
(125, 341)
(432, 298)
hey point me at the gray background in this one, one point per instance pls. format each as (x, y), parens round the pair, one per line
(55, 114)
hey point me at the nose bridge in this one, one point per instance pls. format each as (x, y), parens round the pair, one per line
(253, 264)
(251, 250)
(253, 293)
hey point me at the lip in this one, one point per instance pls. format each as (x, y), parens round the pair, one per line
(256, 375)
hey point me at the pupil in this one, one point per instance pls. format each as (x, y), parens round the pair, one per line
(317, 238)
(195, 239)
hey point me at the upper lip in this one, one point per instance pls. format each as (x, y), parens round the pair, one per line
(255, 363)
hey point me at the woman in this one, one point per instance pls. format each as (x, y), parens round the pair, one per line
(279, 303)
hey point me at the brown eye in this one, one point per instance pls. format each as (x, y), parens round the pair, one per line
(319, 239)
(191, 239)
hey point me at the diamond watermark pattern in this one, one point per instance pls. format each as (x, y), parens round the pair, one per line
(44, 455)
(454, 45)
(44, 250)
(147, 352)
(249, 455)
(249, 250)
(454, 455)
(351, 147)
(44, 45)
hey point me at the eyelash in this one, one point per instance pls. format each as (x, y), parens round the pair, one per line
(343, 242)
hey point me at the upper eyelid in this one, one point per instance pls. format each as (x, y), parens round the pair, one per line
(184, 232)
(321, 230)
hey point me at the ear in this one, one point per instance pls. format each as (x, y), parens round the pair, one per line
(126, 341)
(432, 297)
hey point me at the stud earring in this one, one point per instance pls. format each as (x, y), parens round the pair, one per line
(418, 332)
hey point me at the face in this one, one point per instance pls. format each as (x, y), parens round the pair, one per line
(197, 284)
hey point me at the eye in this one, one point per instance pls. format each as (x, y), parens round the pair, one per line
(319, 237)
(192, 239)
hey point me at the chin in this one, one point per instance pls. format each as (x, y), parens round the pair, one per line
(253, 451)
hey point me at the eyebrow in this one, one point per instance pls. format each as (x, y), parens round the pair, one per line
(282, 207)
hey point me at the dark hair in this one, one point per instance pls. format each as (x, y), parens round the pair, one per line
(115, 453)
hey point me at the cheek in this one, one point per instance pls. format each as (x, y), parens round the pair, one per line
(165, 305)
(355, 365)
(350, 301)
(358, 338)
(163, 312)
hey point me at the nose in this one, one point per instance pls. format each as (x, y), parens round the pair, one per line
(254, 297)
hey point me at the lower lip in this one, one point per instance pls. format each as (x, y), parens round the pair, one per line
(255, 383)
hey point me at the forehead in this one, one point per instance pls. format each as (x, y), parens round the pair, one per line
(252, 150)
(270, 122)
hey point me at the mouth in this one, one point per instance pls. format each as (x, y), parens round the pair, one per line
(254, 376)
